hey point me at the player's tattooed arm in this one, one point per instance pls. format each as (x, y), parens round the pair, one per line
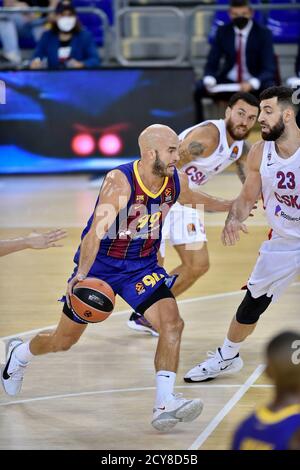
(196, 144)
(241, 167)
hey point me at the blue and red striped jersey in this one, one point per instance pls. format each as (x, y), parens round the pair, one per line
(136, 231)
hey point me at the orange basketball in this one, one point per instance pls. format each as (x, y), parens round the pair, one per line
(92, 300)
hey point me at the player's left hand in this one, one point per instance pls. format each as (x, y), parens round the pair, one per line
(230, 233)
(40, 241)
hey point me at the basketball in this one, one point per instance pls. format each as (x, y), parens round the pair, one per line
(92, 300)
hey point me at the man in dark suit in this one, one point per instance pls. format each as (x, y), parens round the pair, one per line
(242, 52)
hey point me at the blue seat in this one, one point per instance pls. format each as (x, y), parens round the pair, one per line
(284, 24)
(92, 22)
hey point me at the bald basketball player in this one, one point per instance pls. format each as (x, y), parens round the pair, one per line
(276, 426)
(205, 150)
(35, 240)
(274, 172)
(119, 245)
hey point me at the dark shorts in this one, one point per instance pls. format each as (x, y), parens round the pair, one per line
(134, 280)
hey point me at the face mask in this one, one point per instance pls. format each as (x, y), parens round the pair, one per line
(66, 23)
(240, 22)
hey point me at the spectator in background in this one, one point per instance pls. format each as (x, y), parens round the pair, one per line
(9, 37)
(66, 44)
(29, 24)
(242, 53)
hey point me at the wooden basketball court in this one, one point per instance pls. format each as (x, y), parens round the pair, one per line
(100, 394)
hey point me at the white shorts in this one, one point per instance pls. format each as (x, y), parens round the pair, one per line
(277, 266)
(182, 226)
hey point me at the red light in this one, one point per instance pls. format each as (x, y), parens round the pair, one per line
(83, 144)
(110, 144)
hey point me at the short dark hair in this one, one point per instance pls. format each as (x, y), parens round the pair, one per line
(239, 3)
(283, 94)
(242, 95)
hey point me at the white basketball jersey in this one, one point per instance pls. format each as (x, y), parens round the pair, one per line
(281, 191)
(202, 169)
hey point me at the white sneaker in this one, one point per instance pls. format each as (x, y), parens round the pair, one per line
(213, 367)
(176, 410)
(12, 374)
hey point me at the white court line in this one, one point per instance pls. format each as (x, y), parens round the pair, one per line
(227, 408)
(121, 390)
(123, 312)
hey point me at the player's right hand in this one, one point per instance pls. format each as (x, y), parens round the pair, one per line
(230, 233)
(71, 284)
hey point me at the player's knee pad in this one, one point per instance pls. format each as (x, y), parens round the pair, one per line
(251, 309)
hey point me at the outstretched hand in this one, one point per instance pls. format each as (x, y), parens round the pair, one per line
(230, 234)
(40, 241)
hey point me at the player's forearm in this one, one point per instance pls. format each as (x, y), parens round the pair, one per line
(240, 209)
(88, 252)
(240, 170)
(10, 246)
(212, 204)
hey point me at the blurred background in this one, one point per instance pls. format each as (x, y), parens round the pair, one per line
(144, 60)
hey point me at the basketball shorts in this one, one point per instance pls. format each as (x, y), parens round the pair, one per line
(277, 266)
(182, 226)
(134, 280)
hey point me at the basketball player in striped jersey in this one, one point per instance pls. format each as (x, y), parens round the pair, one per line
(205, 150)
(119, 245)
(277, 425)
(274, 171)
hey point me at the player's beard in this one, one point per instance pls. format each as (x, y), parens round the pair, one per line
(275, 132)
(159, 168)
(230, 127)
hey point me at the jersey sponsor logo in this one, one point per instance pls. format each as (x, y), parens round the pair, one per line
(195, 175)
(191, 228)
(234, 153)
(139, 287)
(139, 198)
(277, 211)
(289, 200)
(280, 213)
(168, 195)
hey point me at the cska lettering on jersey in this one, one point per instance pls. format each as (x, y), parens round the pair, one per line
(288, 199)
(202, 169)
(280, 185)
